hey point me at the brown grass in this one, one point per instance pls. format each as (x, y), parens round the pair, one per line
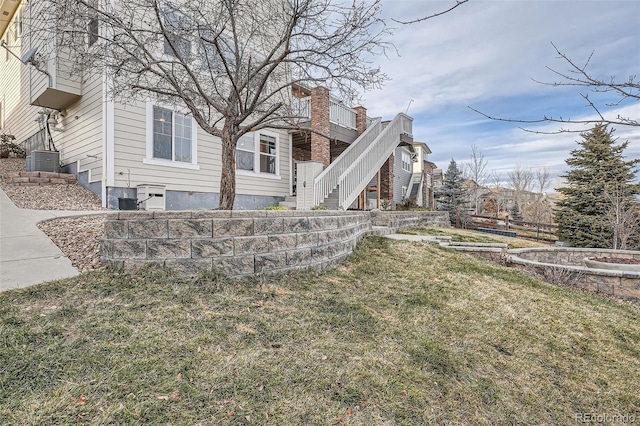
(402, 333)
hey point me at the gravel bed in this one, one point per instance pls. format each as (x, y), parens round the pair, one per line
(47, 197)
(78, 237)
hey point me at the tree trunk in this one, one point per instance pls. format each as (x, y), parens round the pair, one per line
(228, 176)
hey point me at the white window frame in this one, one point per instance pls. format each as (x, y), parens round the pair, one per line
(149, 159)
(93, 37)
(406, 161)
(164, 43)
(257, 154)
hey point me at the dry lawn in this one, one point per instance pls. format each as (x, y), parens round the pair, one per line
(402, 333)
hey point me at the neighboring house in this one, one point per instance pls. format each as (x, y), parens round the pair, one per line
(413, 175)
(142, 148)
(438, 185)
(499, 201)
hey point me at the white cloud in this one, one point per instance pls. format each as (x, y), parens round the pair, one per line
(485, 53)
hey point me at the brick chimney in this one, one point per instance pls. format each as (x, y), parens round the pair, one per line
(320, 147)
(361, 119)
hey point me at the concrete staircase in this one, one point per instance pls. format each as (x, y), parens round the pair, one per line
(289, 202)
(332, 201)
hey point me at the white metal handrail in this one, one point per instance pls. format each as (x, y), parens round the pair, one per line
(341, 115)
(363, 169)
(327, 181)
(301, 107)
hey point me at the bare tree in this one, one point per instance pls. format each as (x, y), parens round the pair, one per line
(540, 211)
(622, 215)
(578, 76)
(520, 179)
(542, 179)
(476, 170)
(232, 64)
(496, 198)
(433, 15)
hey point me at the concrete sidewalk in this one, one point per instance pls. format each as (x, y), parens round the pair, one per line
(27, 255)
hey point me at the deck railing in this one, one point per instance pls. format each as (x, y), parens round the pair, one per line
(353, 180)
(301, 108)
(339, 113)
(359, 163)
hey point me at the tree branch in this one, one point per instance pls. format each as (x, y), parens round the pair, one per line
(424, 18)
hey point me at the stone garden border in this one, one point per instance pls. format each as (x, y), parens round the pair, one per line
(568, 263)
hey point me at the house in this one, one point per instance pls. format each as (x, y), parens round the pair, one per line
(413, 175)
(499, 201)
(157, 153)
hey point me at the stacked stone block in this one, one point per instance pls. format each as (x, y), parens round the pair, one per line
(38, 178)
(567, 264)
(239, 242)
(396, 220)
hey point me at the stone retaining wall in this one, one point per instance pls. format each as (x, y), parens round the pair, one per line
(395, 220)
(570, 256)
(566, 264)
(38, 178)
(241, 242)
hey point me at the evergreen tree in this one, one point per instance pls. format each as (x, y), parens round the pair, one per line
(595, 170)
(515, 212)
(454, 195)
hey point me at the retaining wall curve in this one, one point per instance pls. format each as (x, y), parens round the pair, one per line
(568, 264)
(246, 242)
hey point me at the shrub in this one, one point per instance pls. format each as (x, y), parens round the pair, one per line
(8, 147)
(272, 206)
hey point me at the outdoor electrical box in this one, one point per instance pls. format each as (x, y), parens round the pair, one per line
(151, 197)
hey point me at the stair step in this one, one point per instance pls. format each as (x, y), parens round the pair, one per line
(290, 205)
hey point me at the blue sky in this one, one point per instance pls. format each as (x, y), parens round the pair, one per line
(485, 54)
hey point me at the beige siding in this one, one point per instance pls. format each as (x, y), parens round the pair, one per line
(18, 116)
(79, 134)
(80, 138)
(130, 153)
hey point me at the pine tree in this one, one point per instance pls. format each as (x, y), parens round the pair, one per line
(595, 170)
(515, 212)
(453, 192)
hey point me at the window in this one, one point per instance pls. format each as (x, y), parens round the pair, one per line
(92, 30)
(406, 161)
(268, 154)
(171, 137)
(17, 26)
(92, 24)
(212, 59)
(258, 153)
(176, 25)
(245, 152)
